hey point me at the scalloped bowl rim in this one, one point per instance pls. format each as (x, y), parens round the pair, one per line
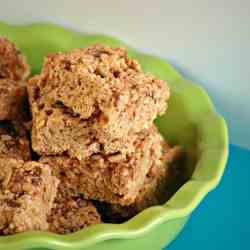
(150, 217)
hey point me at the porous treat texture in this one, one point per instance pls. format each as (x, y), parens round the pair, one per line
(27, 192)
(71, 214)
(12, 94)
(162, 177)
(13, 64)
(12, 146)
(114, 178)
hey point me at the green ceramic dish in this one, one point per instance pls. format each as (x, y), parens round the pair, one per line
(190, 121)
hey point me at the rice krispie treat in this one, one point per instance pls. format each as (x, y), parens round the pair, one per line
(164, 177)
(101, 90)
(115, 178)
(79, 137)
(12, 94)
(13, 64)
(27, 192)
(12, 146)
(71, 214)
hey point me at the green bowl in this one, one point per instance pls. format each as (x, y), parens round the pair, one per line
(191, 121)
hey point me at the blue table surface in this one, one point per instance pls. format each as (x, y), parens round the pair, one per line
(222, 220)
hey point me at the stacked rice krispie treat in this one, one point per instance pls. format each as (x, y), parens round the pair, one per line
(86, 149)
(93, 111)
(27, 188)
(30, 198)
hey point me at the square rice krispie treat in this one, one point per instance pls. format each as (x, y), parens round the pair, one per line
(13, 64)
(101, 90)
(71, 214)
(61, 133)
(115, 178)
(164, 178)
(27, 192)
(13, 146)
(12, 95)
